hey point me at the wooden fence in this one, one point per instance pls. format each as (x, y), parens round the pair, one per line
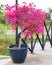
(43, 41)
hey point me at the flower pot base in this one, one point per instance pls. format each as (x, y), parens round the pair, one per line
(18, 55)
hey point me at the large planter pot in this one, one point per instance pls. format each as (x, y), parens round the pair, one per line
(18, 55)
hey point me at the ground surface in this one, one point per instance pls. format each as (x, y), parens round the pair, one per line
(38, 58)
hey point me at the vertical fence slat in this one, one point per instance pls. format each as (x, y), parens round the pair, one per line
(43, 44)
(47, 32)
(34, 43)
(51, 33)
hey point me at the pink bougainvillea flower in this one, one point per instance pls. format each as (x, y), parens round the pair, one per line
(26, 16)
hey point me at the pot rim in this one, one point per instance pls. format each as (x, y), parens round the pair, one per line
(10, 47)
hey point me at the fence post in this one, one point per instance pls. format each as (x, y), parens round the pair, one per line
(43, 44)
(51, 29)
(51, 33)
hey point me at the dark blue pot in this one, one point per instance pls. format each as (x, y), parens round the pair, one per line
(18, 55)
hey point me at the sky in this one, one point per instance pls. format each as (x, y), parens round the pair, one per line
(40, 4)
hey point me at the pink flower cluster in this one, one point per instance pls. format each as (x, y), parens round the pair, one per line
(26, 16)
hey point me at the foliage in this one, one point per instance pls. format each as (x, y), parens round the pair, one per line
(49, 13)
(5, 41)
(2, 18)
(1, 9)
(4, 27)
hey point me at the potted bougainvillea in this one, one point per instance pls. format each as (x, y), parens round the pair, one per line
(30, 20)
